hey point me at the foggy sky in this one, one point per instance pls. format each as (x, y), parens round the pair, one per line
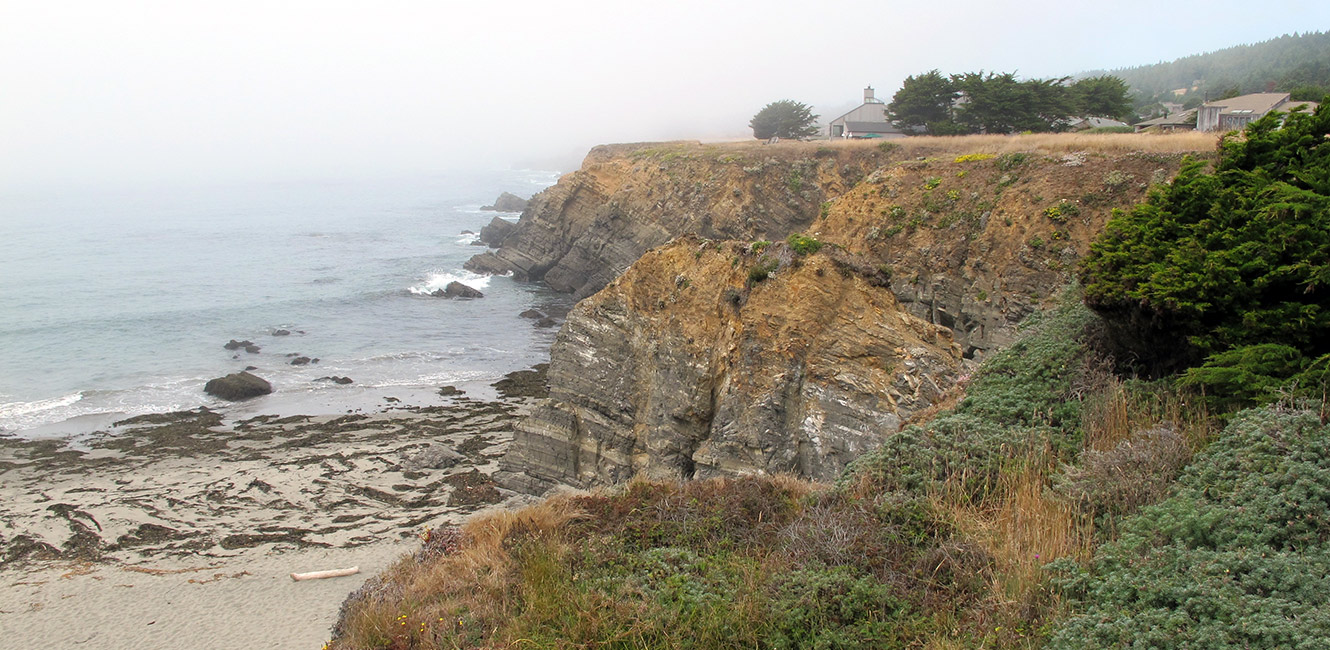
(119, 91)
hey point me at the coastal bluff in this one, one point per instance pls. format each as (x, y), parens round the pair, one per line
(707, 345)
(584, 231)
(682, 368)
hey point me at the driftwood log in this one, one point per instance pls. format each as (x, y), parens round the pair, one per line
(331, 573)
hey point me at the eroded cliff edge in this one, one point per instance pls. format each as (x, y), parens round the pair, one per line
(685, 367)
(583, 232)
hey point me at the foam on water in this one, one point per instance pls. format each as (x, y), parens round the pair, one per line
(439, 280)
(342, 265)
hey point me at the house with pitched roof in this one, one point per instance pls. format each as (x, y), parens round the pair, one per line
(1235, 113)
(867, 121)
(1183, 121)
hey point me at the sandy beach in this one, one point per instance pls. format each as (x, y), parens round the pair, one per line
(181, 530)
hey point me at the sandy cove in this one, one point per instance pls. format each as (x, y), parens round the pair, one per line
(181, 530)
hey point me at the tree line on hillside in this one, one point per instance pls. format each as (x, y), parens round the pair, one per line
(1297, 64)
(976, 102)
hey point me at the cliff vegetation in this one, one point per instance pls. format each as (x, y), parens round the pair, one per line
(986, 477)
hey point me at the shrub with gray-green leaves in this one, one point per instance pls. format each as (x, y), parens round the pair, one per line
(1238, 557)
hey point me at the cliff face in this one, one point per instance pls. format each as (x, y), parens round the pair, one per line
(580, 234)
(679, 370)
(975, 245)
(972, 243)
(684, 367)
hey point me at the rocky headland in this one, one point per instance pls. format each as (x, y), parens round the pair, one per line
(708, 345)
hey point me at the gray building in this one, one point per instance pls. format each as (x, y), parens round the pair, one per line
(1235, 113)
(867, 121)
(1184, 121)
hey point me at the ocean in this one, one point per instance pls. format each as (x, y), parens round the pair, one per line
(119, 302)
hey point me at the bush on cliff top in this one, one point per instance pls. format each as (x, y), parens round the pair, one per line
(1217, 260)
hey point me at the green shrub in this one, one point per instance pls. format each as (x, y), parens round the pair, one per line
(1062, 211)
(1009, 161)
(1246, 376)
(932, 182)
(803, 244)
(762, 270)
(1236, 558)
(1109, 129)
(1217, 260)
(834, 607)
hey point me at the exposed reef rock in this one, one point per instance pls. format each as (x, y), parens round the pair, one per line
(498, 229)
(456, 289)
(237, 386)
(581, 233)
(679, 370)
(508, 202)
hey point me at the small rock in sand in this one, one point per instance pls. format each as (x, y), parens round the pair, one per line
(433, 457)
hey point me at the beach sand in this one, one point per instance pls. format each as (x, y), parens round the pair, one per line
(181, 530)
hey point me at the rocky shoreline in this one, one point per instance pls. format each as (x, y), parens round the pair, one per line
(170, 495)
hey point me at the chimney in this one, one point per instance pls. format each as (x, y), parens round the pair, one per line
(868, 95)
(1269, 86)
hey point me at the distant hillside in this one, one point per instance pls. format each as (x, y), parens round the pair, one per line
(1300, 62)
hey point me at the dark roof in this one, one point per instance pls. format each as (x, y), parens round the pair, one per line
(1185, 118)
(871, 127)
(1254, 103)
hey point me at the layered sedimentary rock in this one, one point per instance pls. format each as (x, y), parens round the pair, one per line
(686, 367)
(974, 241)
(681, 369)
(583, 232)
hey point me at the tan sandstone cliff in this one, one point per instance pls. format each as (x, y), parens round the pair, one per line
(683, 367)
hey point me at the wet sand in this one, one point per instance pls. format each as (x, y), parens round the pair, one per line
(181, 530)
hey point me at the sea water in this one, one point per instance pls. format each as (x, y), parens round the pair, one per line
(116, 303)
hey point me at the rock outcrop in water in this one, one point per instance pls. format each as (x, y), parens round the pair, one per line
(237, 386)
(680, 370)
(507, 202)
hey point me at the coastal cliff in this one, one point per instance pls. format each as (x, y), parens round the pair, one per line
(690, 362)
(977, 229)
(685, 367)
(583, 232)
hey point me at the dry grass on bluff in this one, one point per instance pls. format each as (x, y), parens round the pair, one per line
(937, 540)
